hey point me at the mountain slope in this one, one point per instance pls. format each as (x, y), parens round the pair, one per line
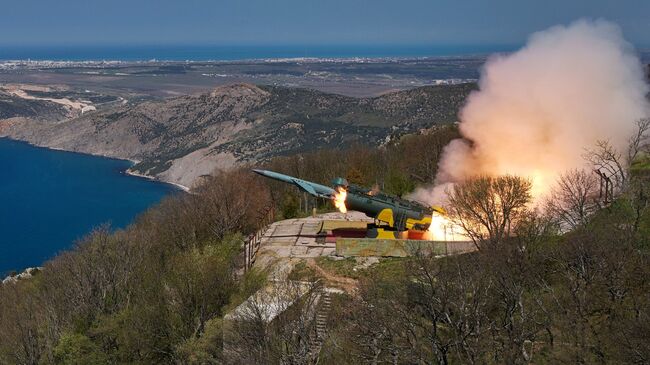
(180, 139)
(12, 106)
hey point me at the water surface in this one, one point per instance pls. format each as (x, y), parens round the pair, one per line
(48, 199)
(229, 53)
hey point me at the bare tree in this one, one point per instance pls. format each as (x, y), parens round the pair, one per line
(609, 164)
(451, 297)
(640, 141)
(573, 198)
(486, 207)
(377, 329)
(612, 164)
(21, 331)
(231, 201)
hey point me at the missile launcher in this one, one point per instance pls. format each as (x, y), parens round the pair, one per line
(394, 216)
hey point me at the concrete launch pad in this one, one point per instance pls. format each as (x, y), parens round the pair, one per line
(297, 238)
(312, 237)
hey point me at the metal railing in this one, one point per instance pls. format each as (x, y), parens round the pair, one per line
(253, 241)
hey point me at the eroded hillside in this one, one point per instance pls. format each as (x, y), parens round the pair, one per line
(179, 139)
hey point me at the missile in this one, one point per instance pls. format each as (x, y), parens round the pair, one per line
(317, 190)
(398, 213)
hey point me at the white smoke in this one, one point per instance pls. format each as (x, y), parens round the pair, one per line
(537, 110)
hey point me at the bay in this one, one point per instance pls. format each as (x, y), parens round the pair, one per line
(49, 199)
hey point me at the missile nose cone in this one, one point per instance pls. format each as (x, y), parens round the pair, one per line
(271, 174)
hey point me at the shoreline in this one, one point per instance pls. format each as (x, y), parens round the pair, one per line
(153, 178)
(126, 171)
(333, 58)
(117, 171)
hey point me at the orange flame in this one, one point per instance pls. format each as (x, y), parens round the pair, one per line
(339, 199)
(443, 229)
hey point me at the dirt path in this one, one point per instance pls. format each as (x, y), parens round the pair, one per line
(348, 284)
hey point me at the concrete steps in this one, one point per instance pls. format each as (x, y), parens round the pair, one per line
(322, 316)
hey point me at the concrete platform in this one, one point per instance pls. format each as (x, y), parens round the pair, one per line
(296, 238)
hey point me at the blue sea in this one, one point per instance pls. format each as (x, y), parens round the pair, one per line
(222, 53)
(49, 199)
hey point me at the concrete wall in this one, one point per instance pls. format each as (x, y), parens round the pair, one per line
(351, 247)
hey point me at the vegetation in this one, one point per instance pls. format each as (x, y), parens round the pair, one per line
(12, 106)
(582, 299)
(538, 290)
(148, 294)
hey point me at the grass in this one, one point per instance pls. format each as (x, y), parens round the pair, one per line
(302, 272)
(386, 267)
(641, 164)
(338, 267)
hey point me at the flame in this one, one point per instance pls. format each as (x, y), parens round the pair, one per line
(339, 199)
(374, 190)
(442, 229)
(541, 183)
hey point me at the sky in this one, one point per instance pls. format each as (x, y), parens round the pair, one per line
(305, 22)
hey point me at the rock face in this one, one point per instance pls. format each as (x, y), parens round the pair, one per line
(182, 138)
(26, 274)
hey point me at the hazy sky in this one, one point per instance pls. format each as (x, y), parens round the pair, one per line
(286, 22)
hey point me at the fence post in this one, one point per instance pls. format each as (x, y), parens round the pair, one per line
(254, 240)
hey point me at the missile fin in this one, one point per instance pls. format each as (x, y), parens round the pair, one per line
(308, 188)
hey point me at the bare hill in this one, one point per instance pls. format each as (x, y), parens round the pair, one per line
(182, 138)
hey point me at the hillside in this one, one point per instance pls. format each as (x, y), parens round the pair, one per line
(171, 289)
(179, 139)
(12, 106)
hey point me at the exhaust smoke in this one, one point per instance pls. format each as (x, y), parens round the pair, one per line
(537, 110)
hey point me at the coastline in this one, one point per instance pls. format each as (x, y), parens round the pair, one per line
(127, 171)
(59, 197)
(144, 54)
(153, 178)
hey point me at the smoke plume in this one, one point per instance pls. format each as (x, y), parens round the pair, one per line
(537, 110)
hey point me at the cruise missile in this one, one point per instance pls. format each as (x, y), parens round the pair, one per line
(392, 211)
(317, 190)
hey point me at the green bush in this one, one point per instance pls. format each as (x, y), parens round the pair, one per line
(77, 349)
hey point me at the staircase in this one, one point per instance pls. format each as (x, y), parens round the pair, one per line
(321, 326)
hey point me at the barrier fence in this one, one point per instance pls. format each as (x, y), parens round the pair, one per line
(253, 241)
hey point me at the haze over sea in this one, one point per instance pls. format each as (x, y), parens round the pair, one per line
(51, 198)
(223, 53)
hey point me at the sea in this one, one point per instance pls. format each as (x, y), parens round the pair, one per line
(50, 199)
(235, 52)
